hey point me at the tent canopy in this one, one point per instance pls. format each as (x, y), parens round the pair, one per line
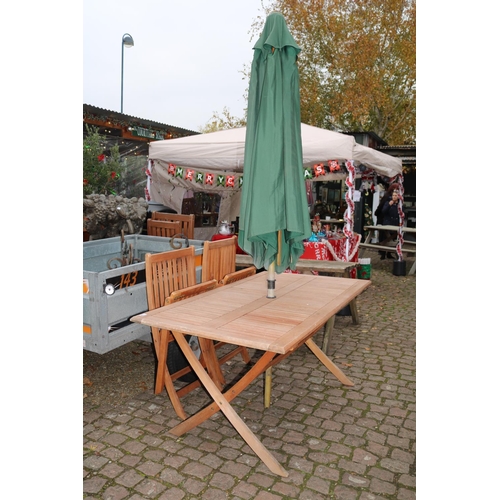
(224, 151)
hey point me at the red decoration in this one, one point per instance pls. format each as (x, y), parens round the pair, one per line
(333, 165)
(230, 181)
(101, 157)
(171, 169)
(209, 179)
(113, 175)
(189, 175)
(319, 169)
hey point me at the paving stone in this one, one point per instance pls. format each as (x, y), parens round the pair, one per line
(115, 493)
(93, 484)
(383, 487)
(150, 468)
(95, 462)
(129, 478)
(150, 488)
(111, 470)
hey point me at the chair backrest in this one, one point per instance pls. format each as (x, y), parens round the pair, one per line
(219, 259)
(163, 228)
(239, 275)
(186, 220)
(191, 291)
(167, 272)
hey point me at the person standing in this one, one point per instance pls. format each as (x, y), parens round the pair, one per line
(384, 235)
(390, 217)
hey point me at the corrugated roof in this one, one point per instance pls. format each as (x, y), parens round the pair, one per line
(133, 120)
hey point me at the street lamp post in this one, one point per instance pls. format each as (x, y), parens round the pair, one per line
(127, 41)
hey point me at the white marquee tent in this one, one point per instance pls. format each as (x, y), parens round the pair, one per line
(214, 163)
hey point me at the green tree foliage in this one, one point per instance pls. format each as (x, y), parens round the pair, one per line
(357, 65)
(224, 122)
(101, 173)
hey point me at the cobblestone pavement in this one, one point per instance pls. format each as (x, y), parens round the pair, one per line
(336, 442)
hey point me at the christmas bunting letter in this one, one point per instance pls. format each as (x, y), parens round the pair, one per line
(209, 178)
(334, 165)
(319, 169)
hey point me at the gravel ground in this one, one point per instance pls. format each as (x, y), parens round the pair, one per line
(119, 375)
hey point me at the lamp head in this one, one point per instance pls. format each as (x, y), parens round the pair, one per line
(127, 40)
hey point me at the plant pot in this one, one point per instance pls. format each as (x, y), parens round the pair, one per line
(399, 268)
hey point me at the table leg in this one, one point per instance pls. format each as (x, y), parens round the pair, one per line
(267, 387)
(354, 311)
(334, 369)
(413, 267)
(260, 450)
(328, 332)
(367, 240)
(265, 361)
(213, 366)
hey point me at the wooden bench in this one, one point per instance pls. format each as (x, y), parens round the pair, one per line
(374, 246)
(409, 247)
(308, 265)
(186, 221)
(163, 228)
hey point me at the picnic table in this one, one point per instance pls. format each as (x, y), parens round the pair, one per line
(241, 314)
(409, 246)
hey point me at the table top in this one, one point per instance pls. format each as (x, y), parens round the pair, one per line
(393, 228)
(241, 314)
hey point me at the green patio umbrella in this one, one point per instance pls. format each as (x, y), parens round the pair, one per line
(274, 218)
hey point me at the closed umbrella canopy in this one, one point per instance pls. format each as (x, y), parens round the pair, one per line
(274, 212)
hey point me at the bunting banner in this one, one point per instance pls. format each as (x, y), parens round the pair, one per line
(328, 171)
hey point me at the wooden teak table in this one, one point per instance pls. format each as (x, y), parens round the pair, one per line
(241, 314)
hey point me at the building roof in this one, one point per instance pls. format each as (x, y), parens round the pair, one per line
(407, 153)
(132, 134)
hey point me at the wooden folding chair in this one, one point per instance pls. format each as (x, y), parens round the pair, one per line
(239, 275)
(167, 273)
(163, 228)
(219, 260)
(186, 220)
(191, 291)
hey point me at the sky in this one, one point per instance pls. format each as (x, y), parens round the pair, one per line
(186, 62)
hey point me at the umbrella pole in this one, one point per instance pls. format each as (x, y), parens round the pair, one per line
(271, 277)
(271, 281)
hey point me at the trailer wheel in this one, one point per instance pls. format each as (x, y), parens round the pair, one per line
(176, 359)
